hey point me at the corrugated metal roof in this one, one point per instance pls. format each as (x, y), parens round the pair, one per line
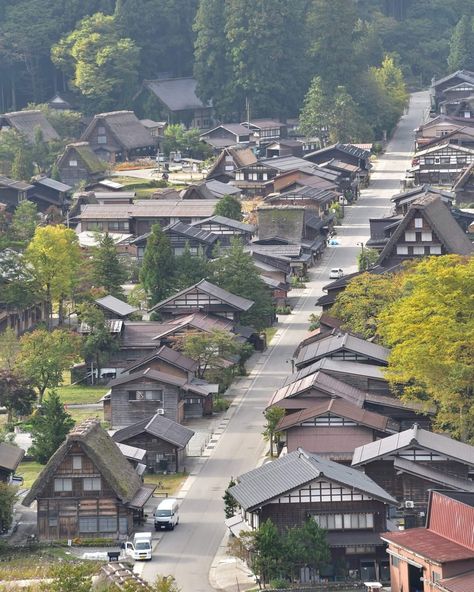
(462, 583)
(158, 426)
(415, 437)
(339, 366)
(131, 452)
(235, 224)
(431, 474)
(191, 232)
(429, 545)
(142, 496)
(115, 305)
(290, 472)
(53, 184)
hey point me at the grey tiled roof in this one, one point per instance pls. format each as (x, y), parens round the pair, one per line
(418, 438)
(10, 456)
(191, 232)
(290, 472)
(178, 94)
(339, 366)
(227, 222)
(158, 426)
(115, 305)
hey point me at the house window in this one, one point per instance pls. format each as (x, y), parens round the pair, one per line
(427, 236)
(73, 163)
(88, 524)
(101, 130)
(123, 525)
(395, 561)
(418, 250)
(91, 484)
(461, 160)
(445, 160)
(119, 226)
(410, 236)
(418, 222)
(467, 115)
(107, 524)
(345, 521)
(101, 139)
(435, 250)
(145, 395)
(62, 484)
(77, 463)
(429, 160)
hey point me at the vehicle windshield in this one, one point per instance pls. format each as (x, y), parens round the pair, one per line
(163, 513)
(144, 546)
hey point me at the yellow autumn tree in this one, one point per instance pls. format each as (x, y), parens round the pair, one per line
(55, 257)
(430, 330)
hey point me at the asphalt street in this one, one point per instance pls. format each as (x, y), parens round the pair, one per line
(187, 552)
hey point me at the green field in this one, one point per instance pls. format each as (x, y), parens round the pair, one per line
(81, 395)
(169, 484)
(29, 470)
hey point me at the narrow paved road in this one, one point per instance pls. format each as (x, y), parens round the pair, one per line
(187, 552)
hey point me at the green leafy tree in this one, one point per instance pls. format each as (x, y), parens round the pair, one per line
(306, 546)
(390, 80)
(8, 496)
(49, 428)
(24, 222)
(40, 151)
(364, 298)
(461, 46)
(18, 286)
(235, 271)
(107, 270)
(267, 551)
(230, 207)
(209, 349)
(315, 114)
(98, 342)
(22, 165)
(69, 577)
(367, 258)
(230, 505)
(178, 138)
(273, 416)
(158, 266)
(55, 258)
(99, 63)
(46, 355)
(345, 121)
(9, 349)
(190, 269)
(430, 330)
(16, 394)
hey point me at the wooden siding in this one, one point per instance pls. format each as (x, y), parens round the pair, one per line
(328, 439)
(156, 446)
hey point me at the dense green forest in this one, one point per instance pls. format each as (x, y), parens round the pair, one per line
(259, 53)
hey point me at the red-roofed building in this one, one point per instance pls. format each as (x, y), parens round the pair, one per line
(439, 556)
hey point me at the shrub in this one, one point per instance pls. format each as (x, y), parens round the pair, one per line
(283, 310)
(221, 404)
(278, 584)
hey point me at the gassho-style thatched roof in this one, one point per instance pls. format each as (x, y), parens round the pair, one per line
(103, 452)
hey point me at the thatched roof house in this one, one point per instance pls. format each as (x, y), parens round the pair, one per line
(26, 123)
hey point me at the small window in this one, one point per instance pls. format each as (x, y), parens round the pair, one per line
(62, 484)
(402, 250)
(101, 130)
(88, 524)
(53, 520)
(107, 524)
(461, 160)
(427, 236)
(445, 160)
(418, 222)
(77, 463)
(102, 139)
(429, 160)
(91, 484)
(418, 250)
(73, 163)
(145, 395)
(435, 250)
(410, 236)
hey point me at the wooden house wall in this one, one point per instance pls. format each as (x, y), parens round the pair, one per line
(73, 175)
(125, 412)
(196, 300)
(59, 512)
(156, 446)
(322, 439)
(433, 169)
(179, 241)
(166, 367)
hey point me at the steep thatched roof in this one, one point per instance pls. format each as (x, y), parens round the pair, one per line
(26, 122)
(103, 452)
(125, 127)
(90, 159)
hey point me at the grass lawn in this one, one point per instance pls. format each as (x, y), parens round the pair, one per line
(29, 470)
(79, 415)
(270, 333)
(169, 484)
(81, 395)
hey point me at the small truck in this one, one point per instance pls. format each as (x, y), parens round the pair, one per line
(141, 547)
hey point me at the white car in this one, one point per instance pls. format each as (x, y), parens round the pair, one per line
(336, 273)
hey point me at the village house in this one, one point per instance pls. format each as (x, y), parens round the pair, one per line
(333, 428)
(177, 102)
(204, 297)
(439, 556)
(441, 164)
(26, 123)
(414, 461)
(118, 136)
(456, 85)
(428, 228)
(10, 457)
(163, 439)
(49, 192)
(182, 236)
(345, 502)
(229, 161)
(156, 128)
(402, 201)
(284, 147)
(266, 130)
(13, 192)
(227, 135)
(78, 163)
(463, 186)
(313, 198)
(219, 189)
(461, 136)
(226, 229)
(340, 154)
(439, 128)
(114, 308)
(88, 489)
(138, 395)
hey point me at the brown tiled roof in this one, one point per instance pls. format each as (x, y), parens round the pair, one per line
(340, 408)
(429, 545)
(461, 583)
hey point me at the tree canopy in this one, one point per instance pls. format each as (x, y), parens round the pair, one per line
(107, 269)
(158, 267)
(229, 207)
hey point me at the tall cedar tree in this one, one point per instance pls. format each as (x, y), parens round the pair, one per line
(107, 270)
(22, 165)
(24, 222)
(50, 427)
(461, 47)
(235, 271)
(229, 207)
(190, 269)
(98, 343)
(158, 266)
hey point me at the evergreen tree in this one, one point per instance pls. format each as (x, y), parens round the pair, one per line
(345, 122)
(229, 207)
(40, 151)
(235, 271)
(49, 429)
(230, 505)
(8, 496)
(461, 46)
(315, 114)
(158, 266)
(22, 165)
(107, 270)
(24, 221)
(98, 342)
(190, 269)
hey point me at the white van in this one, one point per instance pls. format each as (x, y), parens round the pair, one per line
(166, 514)
(141, 548)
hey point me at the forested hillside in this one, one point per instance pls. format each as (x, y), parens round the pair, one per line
(261, 54)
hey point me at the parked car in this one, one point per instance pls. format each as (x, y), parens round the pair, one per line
(166, 514)
(336, 273)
